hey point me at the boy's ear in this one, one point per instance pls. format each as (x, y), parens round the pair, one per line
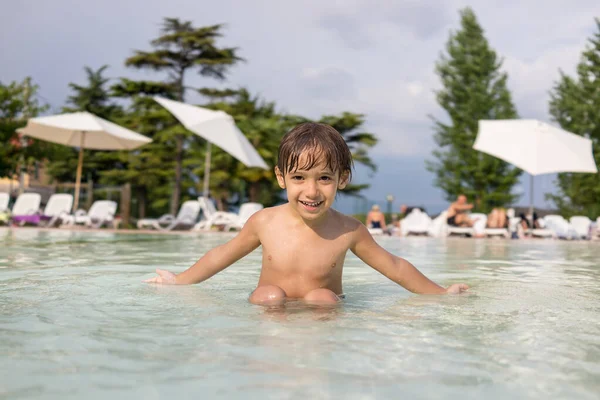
(280, 179)
(343, 180)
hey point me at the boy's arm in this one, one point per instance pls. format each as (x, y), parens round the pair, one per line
(216, 259)
(395, 268)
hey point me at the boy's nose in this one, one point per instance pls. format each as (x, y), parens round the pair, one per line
(312, 190)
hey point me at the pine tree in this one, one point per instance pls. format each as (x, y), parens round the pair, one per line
(474, 88)
(18, 102)
(575, 106)
(181, 48)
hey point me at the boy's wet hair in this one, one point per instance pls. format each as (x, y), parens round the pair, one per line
(319, 142)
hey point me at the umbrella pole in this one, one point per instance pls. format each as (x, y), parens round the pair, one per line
(78, 176)
(206, 170)
(531, 196)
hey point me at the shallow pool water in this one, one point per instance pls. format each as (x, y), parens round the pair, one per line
(75, 321)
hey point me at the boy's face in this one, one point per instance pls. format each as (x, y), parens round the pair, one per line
(311, 192)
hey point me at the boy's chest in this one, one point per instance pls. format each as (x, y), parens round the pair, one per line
(296, 253)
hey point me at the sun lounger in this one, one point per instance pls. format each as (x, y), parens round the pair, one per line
(439, 225)
(246, 211)
(477, 229)
(415, 223)
(4, 210)
(376, 231)
(102, 212)
(211, 217)
(553, 226)
(58, 207)
(26, 209)
(185, 219)
(496, 232)
(4, 200)
(581, 225)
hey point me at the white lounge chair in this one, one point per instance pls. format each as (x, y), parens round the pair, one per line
(439, 225)
(100, 213)
(554, 226)
(185, 219)
(26, 208)
(415, 223)
(4, 199)
(4, 210)
(211, 217)
(477, 229)
(246, 211)
(496, 232)
(58, 207)
(581, 225)
(376, 231)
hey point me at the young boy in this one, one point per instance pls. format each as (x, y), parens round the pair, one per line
(304, 242)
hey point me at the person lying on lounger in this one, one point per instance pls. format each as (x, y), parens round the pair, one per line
(497, 219)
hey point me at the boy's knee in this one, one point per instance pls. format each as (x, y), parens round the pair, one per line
(321, 296)
(268, 295)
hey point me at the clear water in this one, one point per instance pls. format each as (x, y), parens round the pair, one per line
(75, 321)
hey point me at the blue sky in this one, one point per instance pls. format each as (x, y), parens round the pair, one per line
(316, 57)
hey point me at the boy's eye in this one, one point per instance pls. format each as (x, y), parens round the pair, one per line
(326, 178)
(296, 177)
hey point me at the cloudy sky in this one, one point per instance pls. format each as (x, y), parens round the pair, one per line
(314, 57)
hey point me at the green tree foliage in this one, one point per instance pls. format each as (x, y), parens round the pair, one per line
(349, 126)
(18, 102)
(149, 169)
(181, 48)
(575, 105)
(474, 88)
(95, 97)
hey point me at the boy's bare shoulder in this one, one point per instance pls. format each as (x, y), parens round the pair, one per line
(347, 222)
(267, 214)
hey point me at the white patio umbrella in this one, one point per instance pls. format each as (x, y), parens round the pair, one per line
(83, 130)
(535, 147)
(216, 127)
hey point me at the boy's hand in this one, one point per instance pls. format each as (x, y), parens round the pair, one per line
(457, 288)
(163, 278)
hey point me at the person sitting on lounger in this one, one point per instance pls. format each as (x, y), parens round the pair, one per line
(457, 212)
(497, 219)
(375, 218)
(526, 222)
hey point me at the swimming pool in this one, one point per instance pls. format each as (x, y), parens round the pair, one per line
(76, 321)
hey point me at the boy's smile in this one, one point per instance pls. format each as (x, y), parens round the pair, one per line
(311, 204)
(311, 207)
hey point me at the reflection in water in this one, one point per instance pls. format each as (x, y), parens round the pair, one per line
(76, 321)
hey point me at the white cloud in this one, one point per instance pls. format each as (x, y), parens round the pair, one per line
(531, 80)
